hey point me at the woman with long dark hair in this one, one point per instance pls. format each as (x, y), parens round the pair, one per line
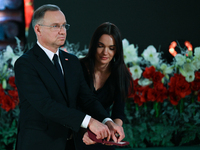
(107, 76)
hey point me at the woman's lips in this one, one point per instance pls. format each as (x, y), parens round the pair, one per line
(104, 58)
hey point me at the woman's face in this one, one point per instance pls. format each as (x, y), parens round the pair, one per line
(106, 49)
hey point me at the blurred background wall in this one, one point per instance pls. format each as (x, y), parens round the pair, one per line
(141, 22)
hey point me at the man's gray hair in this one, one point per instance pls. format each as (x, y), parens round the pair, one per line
(40, 12)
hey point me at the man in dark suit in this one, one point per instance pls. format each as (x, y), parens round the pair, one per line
(51, 86)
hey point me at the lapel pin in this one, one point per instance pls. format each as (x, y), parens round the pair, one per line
(66, 59)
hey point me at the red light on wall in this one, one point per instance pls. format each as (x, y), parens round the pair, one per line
(28, 13)
(173, 44)
(172, 52)
(188, 45)
(172, 48)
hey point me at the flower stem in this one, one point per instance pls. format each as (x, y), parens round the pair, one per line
(136, 107)
(181, 105)
(156, 107)
(192, 99)
(145, 107)
(193, 106)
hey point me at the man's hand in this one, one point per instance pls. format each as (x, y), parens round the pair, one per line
(115, 130)
(87, 140)
(99, 129)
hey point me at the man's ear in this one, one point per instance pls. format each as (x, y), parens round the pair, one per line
(37, 30)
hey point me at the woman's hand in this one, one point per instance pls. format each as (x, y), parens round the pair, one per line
(117, 132)
(87, 140)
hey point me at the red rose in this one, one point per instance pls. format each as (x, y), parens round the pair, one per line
(8, 103)
(197, 75)
(2, 94)
(11, 81)
(149, 72)
(180, 85)
(172, 84)
(174, 99)
(13, 94)
(134, 92)
(183, 87)
(143, 92)
(158, 93)
(178, 88)
(157, 77)
(195, 85)
(161, 91)
(151, 94)
(137, 100)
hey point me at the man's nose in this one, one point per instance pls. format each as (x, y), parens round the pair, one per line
(62, 29)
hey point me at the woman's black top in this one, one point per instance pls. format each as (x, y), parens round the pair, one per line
(114, 106)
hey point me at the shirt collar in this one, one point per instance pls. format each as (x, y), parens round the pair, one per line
(49, 53)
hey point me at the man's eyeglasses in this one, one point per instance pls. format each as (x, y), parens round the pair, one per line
(57, 27)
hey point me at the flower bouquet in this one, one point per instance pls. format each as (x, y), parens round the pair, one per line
(9, 110)
(164, 107)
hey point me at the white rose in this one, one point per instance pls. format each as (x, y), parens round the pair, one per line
(136, 72)
(180, 59)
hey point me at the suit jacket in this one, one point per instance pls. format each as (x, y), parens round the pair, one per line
(48, 110)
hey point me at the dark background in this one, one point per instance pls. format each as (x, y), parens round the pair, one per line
(141, 22)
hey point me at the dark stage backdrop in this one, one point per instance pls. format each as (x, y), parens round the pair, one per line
(141, 22)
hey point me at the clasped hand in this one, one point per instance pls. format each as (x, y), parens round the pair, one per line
(104, 131)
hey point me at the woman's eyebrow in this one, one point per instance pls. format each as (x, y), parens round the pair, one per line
(109, 45)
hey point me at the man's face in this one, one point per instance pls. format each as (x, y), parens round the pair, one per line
(50, 38)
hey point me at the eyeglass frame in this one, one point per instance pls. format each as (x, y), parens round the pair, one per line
(56, 26)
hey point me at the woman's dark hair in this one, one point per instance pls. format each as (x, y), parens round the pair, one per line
(120, 76)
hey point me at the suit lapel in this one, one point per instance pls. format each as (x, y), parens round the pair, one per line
(46, 62)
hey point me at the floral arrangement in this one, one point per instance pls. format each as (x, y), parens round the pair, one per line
(9, 110)
(164, 109)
